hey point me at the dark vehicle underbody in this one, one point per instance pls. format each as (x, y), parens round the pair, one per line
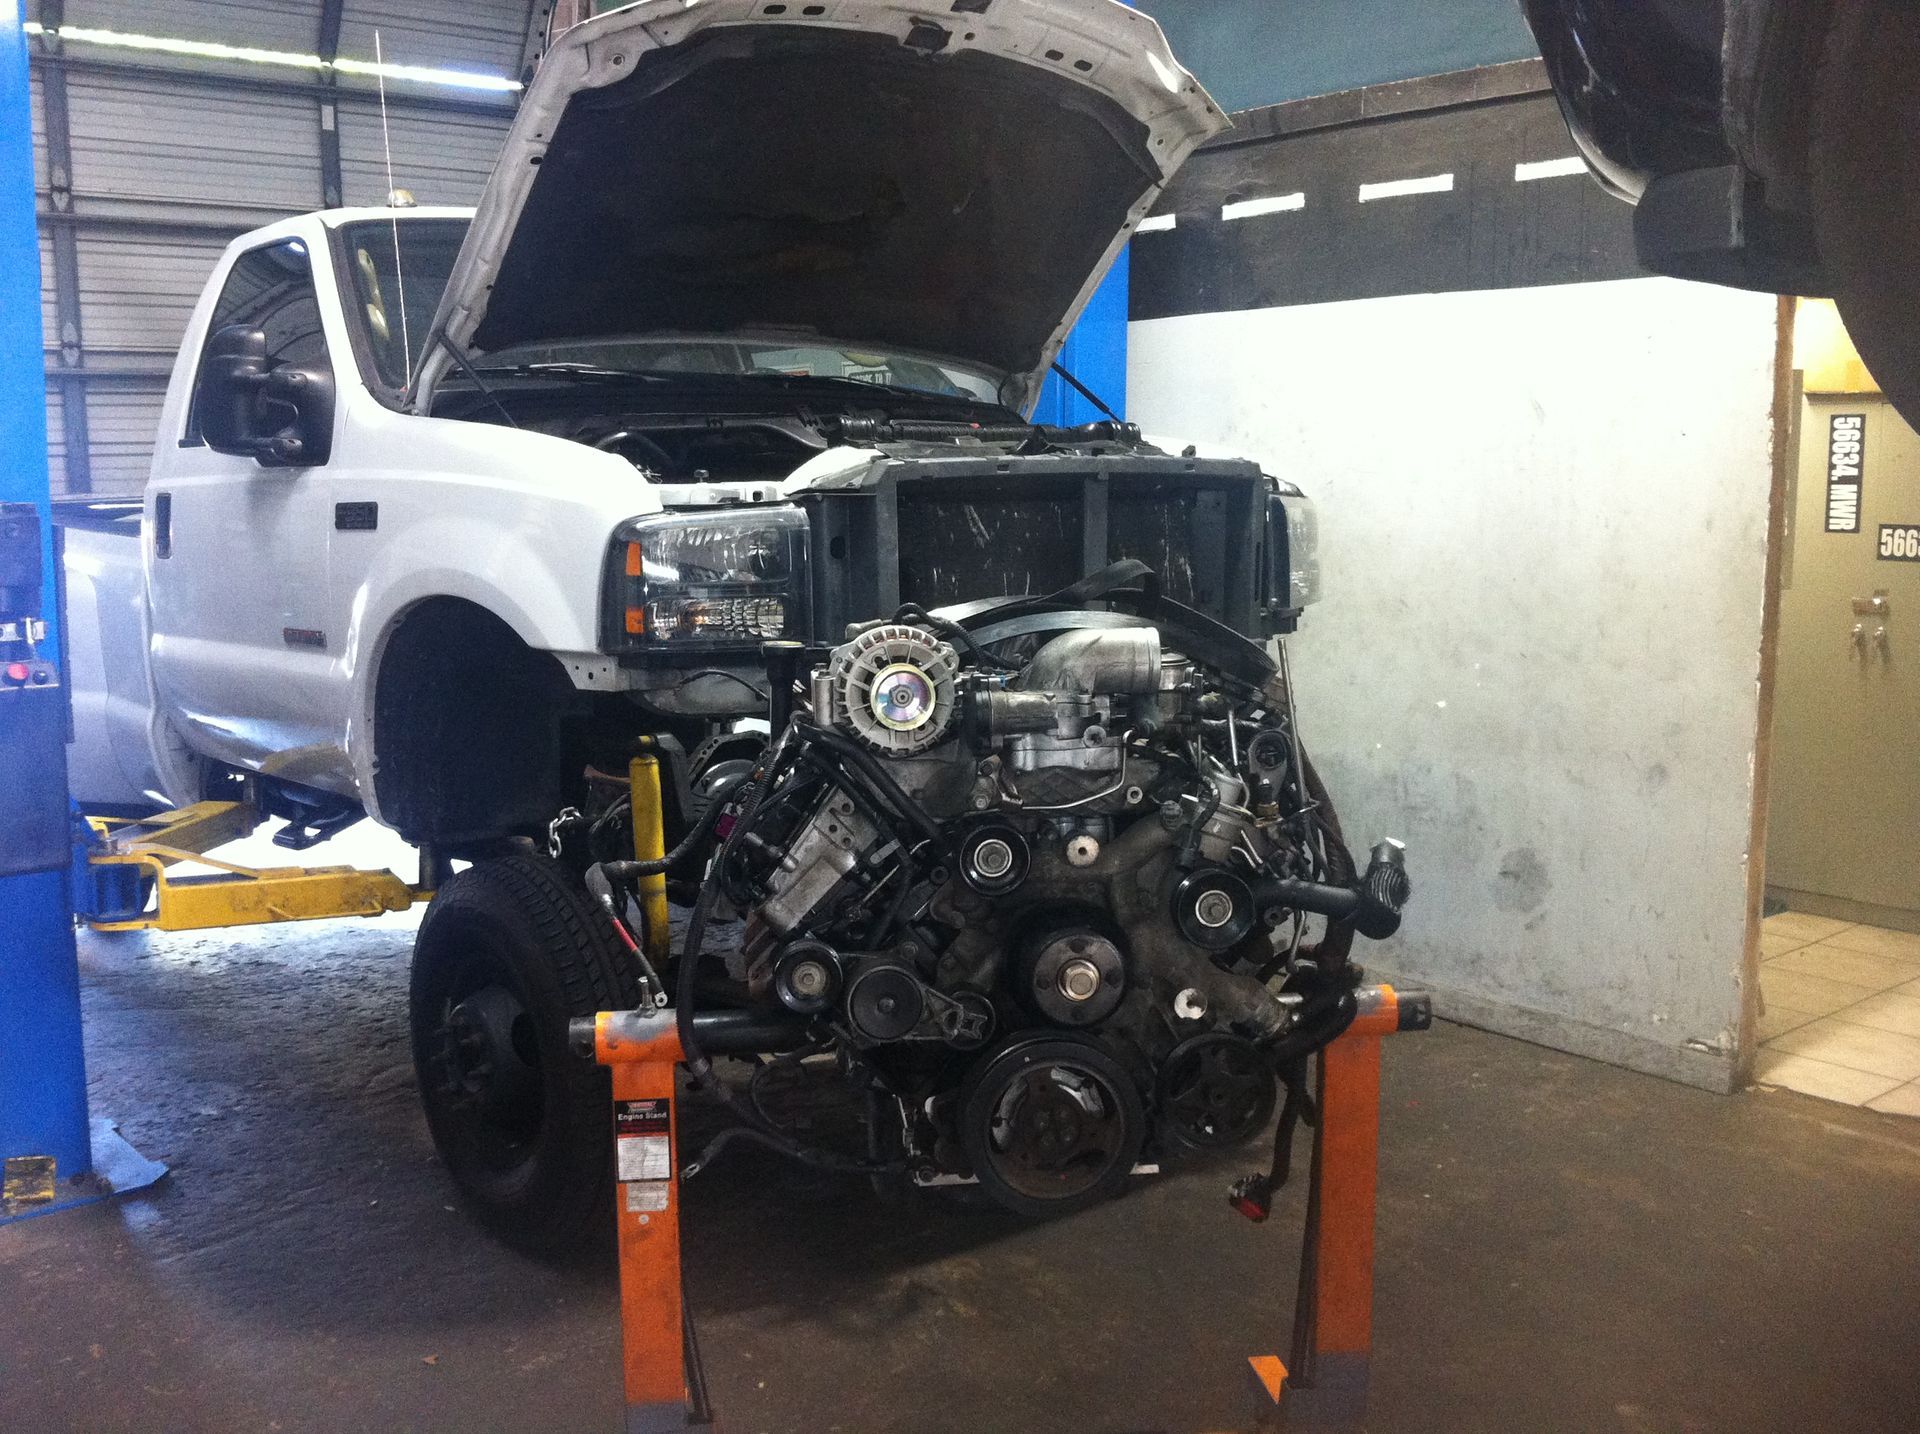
(1768, 144)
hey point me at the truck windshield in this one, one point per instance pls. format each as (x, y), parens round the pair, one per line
(387, 332)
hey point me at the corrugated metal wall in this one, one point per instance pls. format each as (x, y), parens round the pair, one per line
(176, 140)
(292, 25)
(56, 430)
(120, 424)
(148, 163)
(442, 159)
(455, 33)
(136, 294)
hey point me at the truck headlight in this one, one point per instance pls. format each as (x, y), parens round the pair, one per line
(1293, 552)
(697, 582)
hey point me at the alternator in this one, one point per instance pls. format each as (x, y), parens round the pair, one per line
(894, 685)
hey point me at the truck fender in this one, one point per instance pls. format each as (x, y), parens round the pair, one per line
(537, 610)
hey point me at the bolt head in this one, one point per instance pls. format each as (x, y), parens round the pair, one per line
(1079, 980)
(993, 858)
(1213, 909)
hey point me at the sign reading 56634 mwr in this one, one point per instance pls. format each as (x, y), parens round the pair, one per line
(1846, 456)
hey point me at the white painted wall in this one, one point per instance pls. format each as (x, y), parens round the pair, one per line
(1544, 519)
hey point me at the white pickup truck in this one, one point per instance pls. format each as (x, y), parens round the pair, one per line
(449, 509)
(406, 454)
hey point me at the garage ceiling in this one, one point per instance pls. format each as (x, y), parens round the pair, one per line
(148, 162)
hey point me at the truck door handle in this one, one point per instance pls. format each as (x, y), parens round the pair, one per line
(163, 525)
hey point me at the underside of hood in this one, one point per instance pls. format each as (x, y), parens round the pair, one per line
(952, 186)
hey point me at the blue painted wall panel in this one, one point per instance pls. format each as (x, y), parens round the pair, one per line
(1095, 353)
(1260, 52)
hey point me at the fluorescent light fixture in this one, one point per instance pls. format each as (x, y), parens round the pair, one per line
(198, 49)
(247, 54)
(1273, 204)
(1156, 224)
(429, 75)
(1549, 169)
(1394, 188)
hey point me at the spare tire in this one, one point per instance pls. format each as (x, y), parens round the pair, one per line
(509, 952)
(1866, 185)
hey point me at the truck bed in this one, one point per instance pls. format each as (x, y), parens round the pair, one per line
(110, 762)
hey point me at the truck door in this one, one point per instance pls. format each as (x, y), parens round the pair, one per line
(237, 558)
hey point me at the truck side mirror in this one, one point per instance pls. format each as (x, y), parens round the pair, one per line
(279, 417)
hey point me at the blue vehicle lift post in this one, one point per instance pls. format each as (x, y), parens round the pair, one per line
(53, 1154)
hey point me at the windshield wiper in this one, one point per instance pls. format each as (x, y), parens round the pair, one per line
(597, 373)
(575, 370)
(838, 381)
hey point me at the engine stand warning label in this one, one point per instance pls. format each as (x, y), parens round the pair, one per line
(643, 1139)
(647, 1197)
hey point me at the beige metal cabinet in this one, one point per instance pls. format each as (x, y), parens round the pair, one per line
(1844, 825)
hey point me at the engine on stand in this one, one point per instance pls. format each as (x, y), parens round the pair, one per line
(1054, 882)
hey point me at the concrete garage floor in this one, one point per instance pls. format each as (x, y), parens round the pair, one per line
(1564, 1247)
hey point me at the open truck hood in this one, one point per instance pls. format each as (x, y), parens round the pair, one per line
(946, 177)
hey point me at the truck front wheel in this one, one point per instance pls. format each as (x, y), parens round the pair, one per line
(508, 952)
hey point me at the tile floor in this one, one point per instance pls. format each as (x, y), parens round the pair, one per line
(1840, 1012)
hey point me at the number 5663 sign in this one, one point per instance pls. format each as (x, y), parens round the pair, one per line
(1900, 542)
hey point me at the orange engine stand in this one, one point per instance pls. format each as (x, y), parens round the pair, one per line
(661, 1363)
(1325, 1387)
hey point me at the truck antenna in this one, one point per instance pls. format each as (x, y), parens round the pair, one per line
(399, 273)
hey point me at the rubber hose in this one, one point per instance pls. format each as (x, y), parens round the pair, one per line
(954, 632)
(867, 766)
(701, 829)
(1332, 950)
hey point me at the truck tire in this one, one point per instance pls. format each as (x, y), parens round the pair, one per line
(510, 950)
(1866, 186)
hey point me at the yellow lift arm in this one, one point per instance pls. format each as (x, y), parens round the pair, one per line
(127, 873)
